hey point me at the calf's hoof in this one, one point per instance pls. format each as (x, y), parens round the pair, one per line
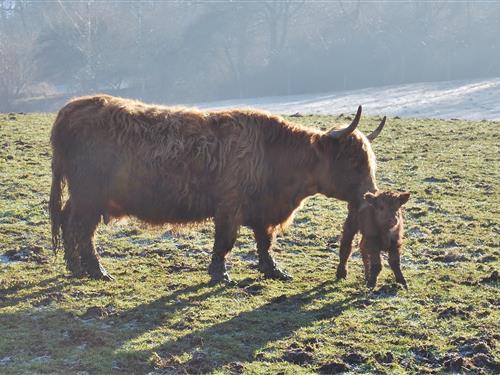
(371, 284)
(403, 283)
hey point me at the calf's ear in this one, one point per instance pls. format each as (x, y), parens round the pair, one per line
(370, 198)
(403, 198)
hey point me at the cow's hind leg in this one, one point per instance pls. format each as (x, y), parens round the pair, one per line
(81, 226)
(71, 253)
(267, 265)
(226, 231)
(88, 254)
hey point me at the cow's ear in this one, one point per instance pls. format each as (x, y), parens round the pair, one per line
(370, 198)
(403, 197)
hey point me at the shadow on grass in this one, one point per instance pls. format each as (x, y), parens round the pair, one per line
(13, 295)
(244, 337)
(59, 334)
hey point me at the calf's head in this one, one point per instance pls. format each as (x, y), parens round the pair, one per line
(386, 206)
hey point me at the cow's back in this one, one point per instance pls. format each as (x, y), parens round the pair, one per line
(162, 163)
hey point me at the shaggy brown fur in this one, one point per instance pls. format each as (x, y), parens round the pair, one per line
(181, 165)
(381, 225)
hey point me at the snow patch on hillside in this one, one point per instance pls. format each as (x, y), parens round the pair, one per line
(472, 100)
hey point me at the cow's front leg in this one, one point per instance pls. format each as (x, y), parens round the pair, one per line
(395, 263)
(226, 230)
(264, 236)
(348, 232)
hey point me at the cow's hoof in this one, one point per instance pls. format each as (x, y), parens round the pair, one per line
(341, 273)
(105, 276)
(218, 274)
(77, 274)
(101, 276)
(277, 274)
(221, 279)
(98, 272)
(75, 269)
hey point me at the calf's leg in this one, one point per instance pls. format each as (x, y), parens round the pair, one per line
(372, 245)
(395, 263)
(365, 256)
(264, 236)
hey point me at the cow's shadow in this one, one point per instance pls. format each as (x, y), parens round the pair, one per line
(246, 334)
(240, 338)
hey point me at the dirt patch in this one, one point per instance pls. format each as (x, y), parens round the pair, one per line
(298, 357)
(451, 312)
(473, 354)
(451, 256)
(181, 267)
(27, 254)
(493, 278)
(235, 367)
(81, 336)
(280, 299)
(457, 363)
(51, 297)
(334, 368)
(254, 289)
(384, 358)
(198, 364)
(487, 259)
(353, 358)
(98, 312)
(435, 180)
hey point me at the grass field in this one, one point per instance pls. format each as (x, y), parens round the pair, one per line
(161, 316)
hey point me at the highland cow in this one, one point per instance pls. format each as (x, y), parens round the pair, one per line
(179, 165)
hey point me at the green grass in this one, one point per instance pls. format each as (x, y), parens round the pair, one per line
(161, 316)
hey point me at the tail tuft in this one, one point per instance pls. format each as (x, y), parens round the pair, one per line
(55, 205)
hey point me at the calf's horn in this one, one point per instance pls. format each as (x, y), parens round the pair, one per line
(338, 133)
(374, 134)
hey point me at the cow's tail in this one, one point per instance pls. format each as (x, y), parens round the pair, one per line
(55, 203)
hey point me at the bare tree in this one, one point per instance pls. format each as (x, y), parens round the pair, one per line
(16, 69)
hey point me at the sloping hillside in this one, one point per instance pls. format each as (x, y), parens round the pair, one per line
(473, 100)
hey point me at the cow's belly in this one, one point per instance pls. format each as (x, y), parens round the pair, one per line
(159, 211)
(159, 201)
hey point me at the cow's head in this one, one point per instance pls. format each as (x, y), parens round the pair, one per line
(347, 163)
(386, 205)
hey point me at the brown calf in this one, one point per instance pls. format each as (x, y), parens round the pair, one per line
(381, 226)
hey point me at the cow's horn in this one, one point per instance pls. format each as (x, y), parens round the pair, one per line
(374, 134)
(338, 133)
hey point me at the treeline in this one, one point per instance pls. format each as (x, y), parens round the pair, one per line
(192, 51)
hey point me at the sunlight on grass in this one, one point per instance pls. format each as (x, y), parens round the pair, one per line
(161, 315)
